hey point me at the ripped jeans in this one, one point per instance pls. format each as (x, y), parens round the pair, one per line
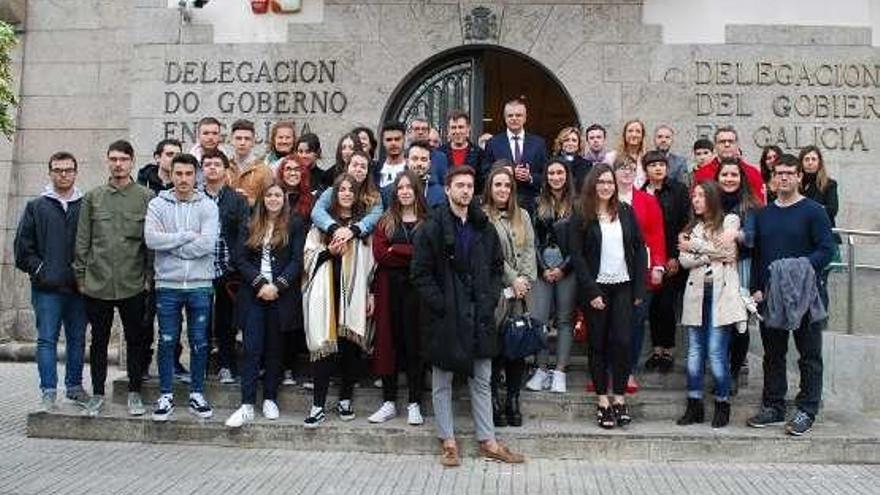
(170, 303)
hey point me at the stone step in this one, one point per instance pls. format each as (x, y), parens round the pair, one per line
(837, 438)
(648, 404)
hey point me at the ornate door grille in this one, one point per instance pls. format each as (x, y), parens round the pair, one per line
(453, 86)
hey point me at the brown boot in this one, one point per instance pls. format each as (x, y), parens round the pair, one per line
(502, 454)
(449, 455)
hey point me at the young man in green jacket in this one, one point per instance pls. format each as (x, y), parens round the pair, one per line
(113, 269)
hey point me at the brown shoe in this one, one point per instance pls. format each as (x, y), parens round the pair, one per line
(502, 454)
(449, 456)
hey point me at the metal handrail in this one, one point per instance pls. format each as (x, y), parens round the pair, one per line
(851, 267)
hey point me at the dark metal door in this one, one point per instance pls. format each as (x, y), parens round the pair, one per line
(454, 85)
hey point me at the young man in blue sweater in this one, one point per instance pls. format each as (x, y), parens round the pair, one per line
(792, 226)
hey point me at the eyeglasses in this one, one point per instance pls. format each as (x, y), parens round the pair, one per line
(625, 168)
(63, 171)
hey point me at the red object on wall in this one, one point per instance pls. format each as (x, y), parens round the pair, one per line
(259, 6)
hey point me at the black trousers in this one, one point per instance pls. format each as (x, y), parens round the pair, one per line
(513, 369)
(661, 316)
(347, 357)
(808, 341)
(222, 329)
(404, 307)
(137, 340)
(739, 349)
(610, 335)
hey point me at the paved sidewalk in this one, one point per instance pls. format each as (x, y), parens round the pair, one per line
(32, 466)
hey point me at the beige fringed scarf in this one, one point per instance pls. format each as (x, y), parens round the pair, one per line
(325, 324)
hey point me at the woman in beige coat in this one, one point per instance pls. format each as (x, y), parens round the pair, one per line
(514, 228)
(712, 303)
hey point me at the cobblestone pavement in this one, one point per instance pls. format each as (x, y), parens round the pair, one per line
(35, 466)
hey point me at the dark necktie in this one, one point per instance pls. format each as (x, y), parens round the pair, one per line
(517, 150)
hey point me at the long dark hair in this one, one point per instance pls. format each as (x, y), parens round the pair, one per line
(590, 200)
(713, 218)
(356, 146)
(261, 222)
(548, 204)
(357, 210)
(371, 137)
(747, 199)
(766, 168)
(368, 191)
(392, 219)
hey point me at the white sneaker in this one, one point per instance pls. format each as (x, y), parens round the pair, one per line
(414, 414)
(386, 412)
(537, 381)
(558, 383)
(378, 383)
(288, 378)
(242, 416)
(225, 376)
(270, 409)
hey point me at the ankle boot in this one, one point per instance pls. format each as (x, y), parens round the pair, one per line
(695, 413)
(514, 417)
(722, 414)
(498, 416)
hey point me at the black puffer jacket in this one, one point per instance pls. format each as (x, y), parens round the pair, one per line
(458, 290)
(44, 243)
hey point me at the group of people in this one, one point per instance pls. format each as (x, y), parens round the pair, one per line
(409, 255)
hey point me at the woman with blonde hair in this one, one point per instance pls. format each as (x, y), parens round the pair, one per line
(821, 188)
(569, 148)
(282, 139)
(517, 237)
(631, 147)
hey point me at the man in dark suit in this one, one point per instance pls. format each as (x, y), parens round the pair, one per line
(526, 151)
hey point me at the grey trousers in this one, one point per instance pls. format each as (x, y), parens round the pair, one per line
(481, 401)
(561, 297)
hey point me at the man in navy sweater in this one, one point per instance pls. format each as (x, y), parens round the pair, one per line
(790, 227)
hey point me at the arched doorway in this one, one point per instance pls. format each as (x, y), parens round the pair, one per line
(479, 80)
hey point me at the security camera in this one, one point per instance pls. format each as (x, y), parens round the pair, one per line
(193, 3)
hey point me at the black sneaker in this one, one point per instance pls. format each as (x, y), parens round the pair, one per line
(653, 362)
(798, 425)
(199, 406)
(164, 408)
(345, 411)
(621, 414)
(766, 417)
(315, 417)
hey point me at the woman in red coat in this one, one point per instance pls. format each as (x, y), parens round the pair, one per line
(397, 318)
(649, 216)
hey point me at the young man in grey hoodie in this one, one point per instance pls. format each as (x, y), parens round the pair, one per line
(182, 226)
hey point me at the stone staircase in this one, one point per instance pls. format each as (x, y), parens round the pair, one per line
(556, 426)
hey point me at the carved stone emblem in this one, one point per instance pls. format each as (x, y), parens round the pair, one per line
(480, 24)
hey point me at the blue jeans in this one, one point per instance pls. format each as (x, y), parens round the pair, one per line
(169, 306)
(51, 309)
(714, 342)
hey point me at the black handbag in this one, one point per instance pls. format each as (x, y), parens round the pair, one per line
(522, 335)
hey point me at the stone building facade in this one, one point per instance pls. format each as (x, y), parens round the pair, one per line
(92, 71)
